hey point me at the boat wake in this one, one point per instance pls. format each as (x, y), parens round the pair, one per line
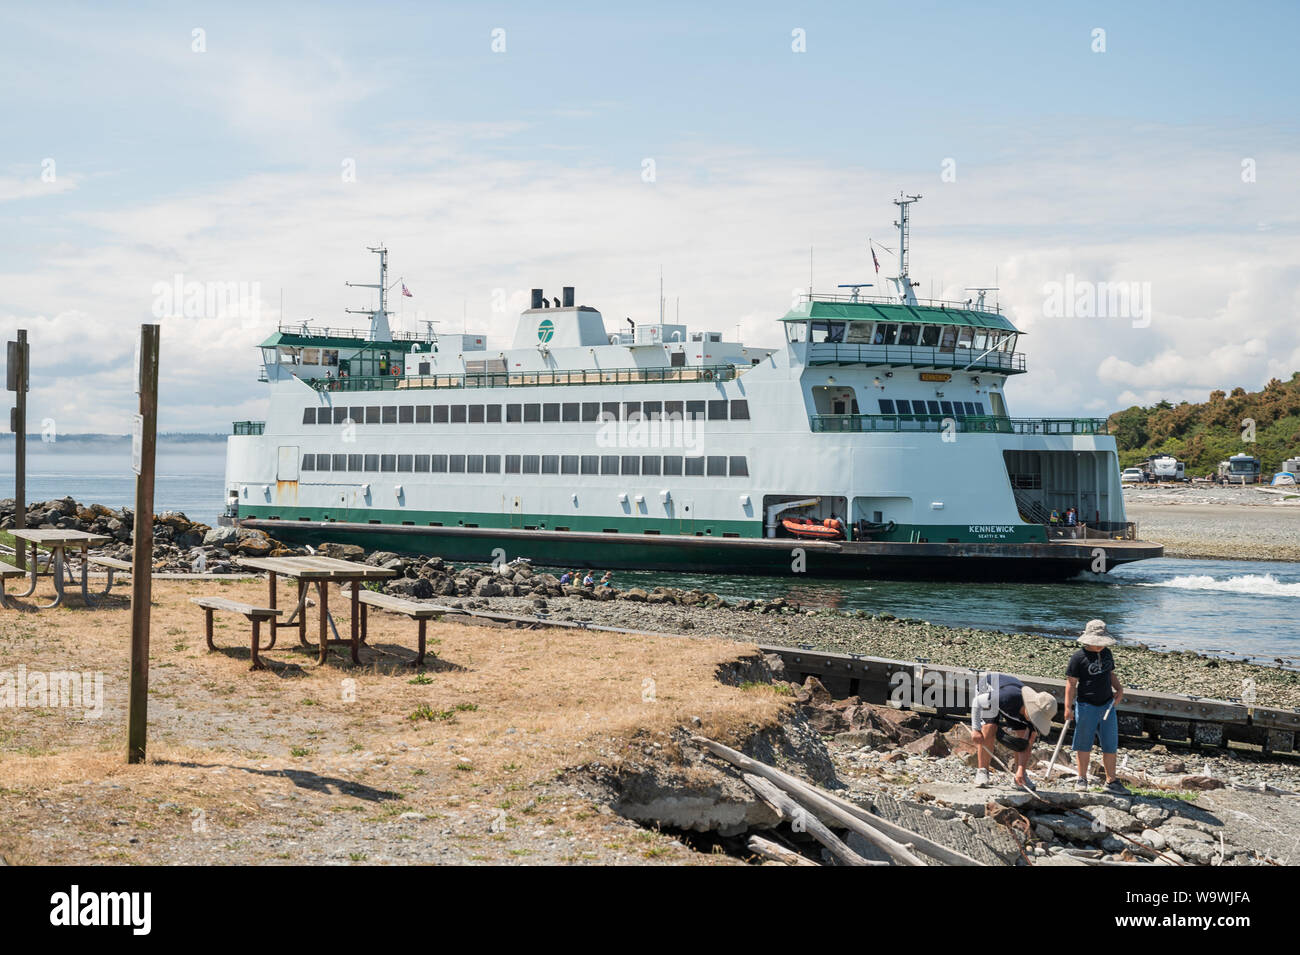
(1265, 584)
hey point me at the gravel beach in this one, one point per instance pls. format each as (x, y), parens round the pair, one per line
(1226, 523)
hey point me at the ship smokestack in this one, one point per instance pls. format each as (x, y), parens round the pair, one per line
(538, 298)
(568, 296)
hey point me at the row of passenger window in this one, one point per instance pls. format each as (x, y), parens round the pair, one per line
(904, 406)
(573, 411)
(650, 465)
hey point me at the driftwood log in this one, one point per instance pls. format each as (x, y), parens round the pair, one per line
(804, 818)
(817, 801)
(770, 850)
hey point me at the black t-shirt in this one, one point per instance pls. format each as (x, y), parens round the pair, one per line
(1093, 671)
(1010, 703)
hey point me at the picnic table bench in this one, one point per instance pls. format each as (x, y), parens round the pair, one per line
(422, 613)
(57, 541)
(254, 614)
(8, 572)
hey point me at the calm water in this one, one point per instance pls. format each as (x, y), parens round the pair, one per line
(1236, 608)
(188, 476)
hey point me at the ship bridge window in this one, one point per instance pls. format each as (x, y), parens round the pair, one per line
(886, 406)
(458, 414)
(477, 414)
(324, 415)
(372, 462)
(474, 464)
(980, 340)
(650, 465)
(372, 414)
(739, 466)
(322, 462)
(438, 463)
(512, 464)
(609, 464)
(388, 462)
(979, 407)
(930, 336)
(532, 413)
(590, 464)
(551, 411)
(795, 332)
(532, 463)
(945, 407)
(422, 414)
(456, 463)
(631, 464)
(354, 462)
(932, 407)
(340, 415)
(514, 413)
(308, 415)
(357, 415)
(886, 334)
(550, 464)
(340, 462)
(290, 356)
(591, 411)
(422, 463)
(672, 465)
(739, 409)
(492, 463)
(694, 467)
(828, 331)
(441, 414)
(494, 414)
(964, 337)
(718, 410)
(653, 410)
(406, 414)
(609, 411)
(569, 464)
(717, 465)
(694, 410)
(571, 411)
(949, 339)
(631, 411)
(390, 414)
(309, 462)
(908, 334)
(673, 410)
(311, 356)
(406, 462)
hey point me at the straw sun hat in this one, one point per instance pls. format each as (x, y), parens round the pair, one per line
(1039, 709)
(1096, 635)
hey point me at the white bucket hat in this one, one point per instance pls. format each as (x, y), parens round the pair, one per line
(1039, 709)
(1096, 635)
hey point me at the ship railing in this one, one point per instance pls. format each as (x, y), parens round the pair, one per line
(914, 356)
(1105, 530)
(325, 331)
(863, 299)
(967, 424)
(249, 427)
(530, 379)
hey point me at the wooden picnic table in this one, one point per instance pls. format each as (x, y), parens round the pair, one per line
(321, 571)
(57, 541)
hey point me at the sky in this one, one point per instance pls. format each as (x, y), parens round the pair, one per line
(1065, 153)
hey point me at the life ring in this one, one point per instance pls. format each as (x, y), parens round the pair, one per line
(397, 371)
(708, 375)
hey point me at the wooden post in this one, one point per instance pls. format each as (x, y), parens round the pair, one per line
(18, 356)
(142, 558)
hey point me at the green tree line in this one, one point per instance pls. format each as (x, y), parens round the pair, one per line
(1202, 435)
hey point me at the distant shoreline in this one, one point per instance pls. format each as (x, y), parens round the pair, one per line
(174, 437)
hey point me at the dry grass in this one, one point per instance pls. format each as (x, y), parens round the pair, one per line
(498, 712)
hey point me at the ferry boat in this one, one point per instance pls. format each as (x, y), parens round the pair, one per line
(876, 441)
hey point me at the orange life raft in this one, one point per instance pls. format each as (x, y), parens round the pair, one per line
(830, 529)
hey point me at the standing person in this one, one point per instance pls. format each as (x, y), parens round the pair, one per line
(1092, 693)
(1007, 704)
(1055, 517)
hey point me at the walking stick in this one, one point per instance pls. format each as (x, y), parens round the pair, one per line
(1057, 752)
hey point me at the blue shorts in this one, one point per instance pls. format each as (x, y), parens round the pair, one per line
(1088, 726)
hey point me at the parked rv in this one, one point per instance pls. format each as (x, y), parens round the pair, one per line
(1240, 469)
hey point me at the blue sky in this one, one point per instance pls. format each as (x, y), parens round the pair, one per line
(487, 171)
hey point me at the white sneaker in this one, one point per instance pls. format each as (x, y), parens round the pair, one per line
(981, 778)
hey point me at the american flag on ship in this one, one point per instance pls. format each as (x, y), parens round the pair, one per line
(874, 261)
(407, 292)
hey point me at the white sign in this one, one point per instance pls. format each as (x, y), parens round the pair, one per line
(137, 443)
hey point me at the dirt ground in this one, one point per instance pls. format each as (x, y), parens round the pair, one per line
(465, 760)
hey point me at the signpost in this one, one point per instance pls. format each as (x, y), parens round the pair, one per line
(17, 381)
(143, 446)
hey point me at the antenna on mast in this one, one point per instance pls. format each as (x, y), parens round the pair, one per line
(379, 330)
(903, 282)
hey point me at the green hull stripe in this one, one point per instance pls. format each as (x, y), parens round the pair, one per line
(933, 533)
